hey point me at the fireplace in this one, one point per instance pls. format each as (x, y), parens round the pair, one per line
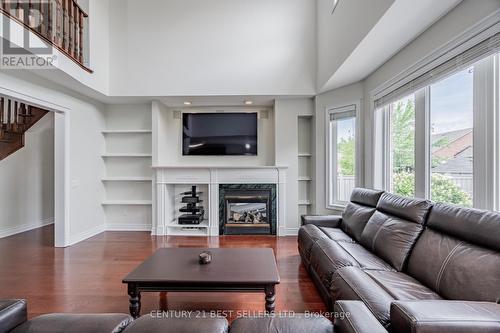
(247, 209)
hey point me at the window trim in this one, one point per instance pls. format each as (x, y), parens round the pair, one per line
(331, 164)
(486, 133)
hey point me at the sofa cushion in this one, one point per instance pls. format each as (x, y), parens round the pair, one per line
(328, 256)
(271, 324)
(394, 228)
(331, 221)
(12, 313)
(365, 196)
(337, 235)
(378, 289)
(391, 238)
(355, 218)
(76, 323)
(354, 317)
(474, 226)
(165, 324)
(445, 316)
(308, 235)
(456, 269)
(414, 210)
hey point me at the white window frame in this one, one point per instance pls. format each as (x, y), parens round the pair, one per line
(486, 124)
(331, 153)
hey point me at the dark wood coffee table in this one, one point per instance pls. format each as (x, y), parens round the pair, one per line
(232, 270)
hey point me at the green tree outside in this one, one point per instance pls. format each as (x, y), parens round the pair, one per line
(403, 143)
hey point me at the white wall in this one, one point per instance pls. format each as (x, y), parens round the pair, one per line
(338, 97)
(27, 177)
(168, 130)
(340, 33)
(217, 47)
(86, 120)
(287, 112)
(457, 21)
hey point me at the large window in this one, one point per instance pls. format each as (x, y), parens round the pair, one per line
(401, 178)
(451, 114)
(342, 154)
(441, 141)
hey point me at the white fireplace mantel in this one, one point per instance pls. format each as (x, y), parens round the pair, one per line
(169, 181)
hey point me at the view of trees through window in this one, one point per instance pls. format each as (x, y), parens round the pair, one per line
(451, 111)
(402, 144)
(451, 142)
(346, 157)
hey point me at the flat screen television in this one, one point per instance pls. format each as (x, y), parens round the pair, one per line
(219, 134)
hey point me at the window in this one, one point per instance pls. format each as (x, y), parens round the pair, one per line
(441, 141)
(451, 115)
(401, 178)
(341, 154)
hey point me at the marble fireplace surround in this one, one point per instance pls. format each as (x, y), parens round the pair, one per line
(166, 178)
(268, 189)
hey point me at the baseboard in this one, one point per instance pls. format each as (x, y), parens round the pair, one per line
(291, 232)
(128, 227)
(25, 227)
(86, 234)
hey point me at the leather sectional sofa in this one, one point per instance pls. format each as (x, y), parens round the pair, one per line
(13, 318)
(406, 265)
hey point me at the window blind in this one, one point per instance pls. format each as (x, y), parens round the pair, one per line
(348, 111)
(455, 64)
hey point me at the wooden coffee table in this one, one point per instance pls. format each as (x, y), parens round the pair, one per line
(232, 270)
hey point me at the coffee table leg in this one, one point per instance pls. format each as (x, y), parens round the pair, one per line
(270, 298)
(163, 301)
(134, 301)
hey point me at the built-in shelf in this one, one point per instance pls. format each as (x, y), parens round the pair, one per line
(174, 224)
(126, 155)
(305, 179)
(126, 131)
(127, 179)
(127, 203)
(304, 160)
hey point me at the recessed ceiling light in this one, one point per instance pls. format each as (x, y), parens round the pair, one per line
(248, 102)
(187, 103)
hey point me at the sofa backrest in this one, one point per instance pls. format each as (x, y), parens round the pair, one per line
(359, 210)
(394, 228)
(458, 255)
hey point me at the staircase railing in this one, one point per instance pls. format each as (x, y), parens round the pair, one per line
(15, 119)
(62, 23)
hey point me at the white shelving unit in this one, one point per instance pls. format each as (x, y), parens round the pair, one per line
(304, 164)
(173, 213)
(128, 159)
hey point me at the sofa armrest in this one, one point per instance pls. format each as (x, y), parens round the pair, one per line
(330, 221)
(354, 317)
(12, 313)
(445, 316)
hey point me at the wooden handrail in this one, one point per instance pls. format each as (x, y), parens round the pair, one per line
(62, 24)
(16, 118)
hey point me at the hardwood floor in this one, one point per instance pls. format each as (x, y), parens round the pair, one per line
(86, 277)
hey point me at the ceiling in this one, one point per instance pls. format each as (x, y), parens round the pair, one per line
(359, 37)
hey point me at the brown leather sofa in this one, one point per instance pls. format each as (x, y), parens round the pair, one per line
(406, 265)
(13, 318)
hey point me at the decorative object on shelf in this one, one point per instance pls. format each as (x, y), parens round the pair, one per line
(195, 213)
(205, 257)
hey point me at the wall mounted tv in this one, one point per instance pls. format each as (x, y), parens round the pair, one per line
(219, 134)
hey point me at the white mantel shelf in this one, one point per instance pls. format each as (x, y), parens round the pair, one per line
(170, 180)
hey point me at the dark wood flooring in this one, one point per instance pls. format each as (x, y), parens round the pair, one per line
(86, 278)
